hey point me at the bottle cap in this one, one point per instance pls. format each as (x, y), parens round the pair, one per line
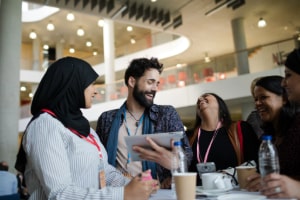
(267, 137)
(177, 143)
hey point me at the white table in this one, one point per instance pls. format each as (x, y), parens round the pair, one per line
(163, 194)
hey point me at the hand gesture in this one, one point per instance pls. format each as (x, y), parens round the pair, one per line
(157, 154)
(140, 187)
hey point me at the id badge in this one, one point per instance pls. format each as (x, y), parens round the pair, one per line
(206, 167)
(102, 181)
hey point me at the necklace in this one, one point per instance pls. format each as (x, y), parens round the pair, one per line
(136, 120)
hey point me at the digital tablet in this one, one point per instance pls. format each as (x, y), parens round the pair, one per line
(162, 139)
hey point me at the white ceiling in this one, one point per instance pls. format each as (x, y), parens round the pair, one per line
(211, 34)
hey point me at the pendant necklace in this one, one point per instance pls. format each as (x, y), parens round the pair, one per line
(137, 121)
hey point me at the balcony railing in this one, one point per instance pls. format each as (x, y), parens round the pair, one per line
(261, 58)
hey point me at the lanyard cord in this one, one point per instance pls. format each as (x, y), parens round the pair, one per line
(139, 123)
(209, 146)
(129, 133)
(90, 138)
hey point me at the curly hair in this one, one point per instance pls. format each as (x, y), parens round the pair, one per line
(137, 67)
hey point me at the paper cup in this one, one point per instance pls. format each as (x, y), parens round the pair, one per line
(185, 185)
(243, 172)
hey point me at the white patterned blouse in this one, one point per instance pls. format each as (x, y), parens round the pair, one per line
(61, 165)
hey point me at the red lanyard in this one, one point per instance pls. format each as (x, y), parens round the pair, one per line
(209, 146)
(90, 138)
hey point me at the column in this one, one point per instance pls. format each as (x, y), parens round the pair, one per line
(36, 54)
(109, 56)
(10, 56)
(240, 45)
(59, 47)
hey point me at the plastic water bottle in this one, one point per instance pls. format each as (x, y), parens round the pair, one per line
(179, 162)
(268, 157)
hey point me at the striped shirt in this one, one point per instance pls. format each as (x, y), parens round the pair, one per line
(61, 165)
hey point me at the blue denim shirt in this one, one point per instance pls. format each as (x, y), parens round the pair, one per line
(164, 118)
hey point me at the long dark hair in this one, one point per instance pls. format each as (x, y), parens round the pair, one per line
(273, 84)
(224, 114)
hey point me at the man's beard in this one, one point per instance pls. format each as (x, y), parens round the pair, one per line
(140, 97)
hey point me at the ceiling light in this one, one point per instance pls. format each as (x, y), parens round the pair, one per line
(178, 65)
(261, 23)
(72, 50)
(30, 95)
(95, 52)
(153, 0)
(50, 26)
(70, 17)
(32, 35)
(88, 43)
(46, 46)
(132, 41)
(206, 58)
(23, 88)
(80, 32)
(100, 23)
(129, 28)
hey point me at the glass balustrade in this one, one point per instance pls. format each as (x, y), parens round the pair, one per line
(219, 68)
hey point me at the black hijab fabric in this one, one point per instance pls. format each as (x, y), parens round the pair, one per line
(61, 90)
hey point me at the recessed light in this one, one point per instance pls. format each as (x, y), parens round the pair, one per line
(129, 28)
(23, 88)
(88, 43)
(70, 17)
(32, 35)
(50, 26)
(72, 50)
(80, 32)
(100, 23)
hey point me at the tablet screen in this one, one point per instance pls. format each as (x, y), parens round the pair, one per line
(162, 139)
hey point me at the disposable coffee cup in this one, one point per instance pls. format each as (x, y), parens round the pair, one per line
(185, 185)
(243, 172)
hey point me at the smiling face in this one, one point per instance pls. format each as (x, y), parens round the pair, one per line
(291, 83)
(268, 104)
(207, 102)
(89, 94)
(146, 87)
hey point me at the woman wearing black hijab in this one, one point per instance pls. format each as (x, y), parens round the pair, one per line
(61, 156)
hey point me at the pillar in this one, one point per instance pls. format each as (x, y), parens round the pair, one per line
(10, 56)
(36, 43)
(59, 50)
(240, 45)
(109, 56)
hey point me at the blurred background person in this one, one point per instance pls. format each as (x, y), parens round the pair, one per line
(8, 181)
(253, 118)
